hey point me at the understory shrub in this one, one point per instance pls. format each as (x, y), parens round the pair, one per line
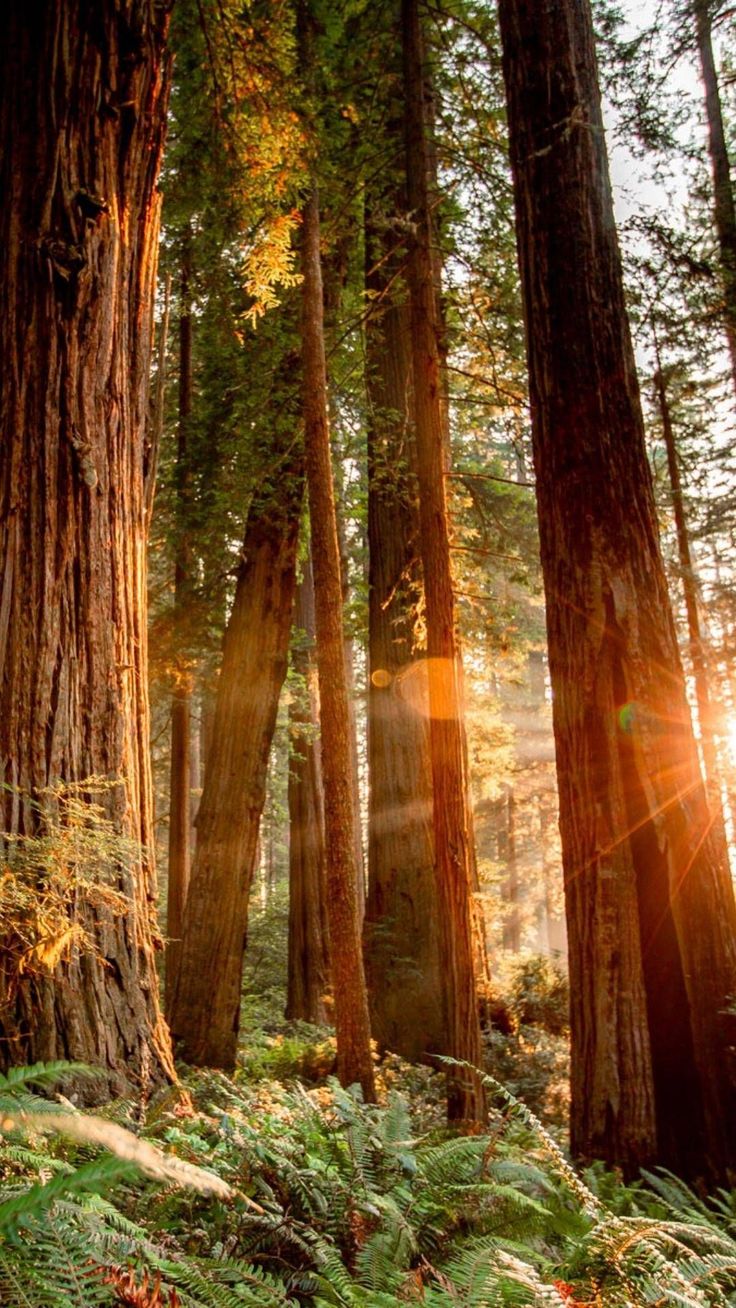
(319, 1199)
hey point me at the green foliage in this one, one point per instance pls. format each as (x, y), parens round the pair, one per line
(540, 994)
(73, 854)
(334, 1202)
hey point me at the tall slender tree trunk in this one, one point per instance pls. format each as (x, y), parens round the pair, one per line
(696, 645)
(205, 1007)
(82, 124)
(351, 1005)
(724, 205)
(510, 888)
(650, 906)
(335, 275)
(401, 939)
(308, 979)
(156, 423)
(353, 720)
(181, 702)
(452, 854)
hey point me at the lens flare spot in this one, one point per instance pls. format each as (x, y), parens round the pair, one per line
(381, 678)
(627, 717)
(430, 687)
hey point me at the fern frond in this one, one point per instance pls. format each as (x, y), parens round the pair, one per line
(86, 1129)
(32, 1203)
(43, 1075)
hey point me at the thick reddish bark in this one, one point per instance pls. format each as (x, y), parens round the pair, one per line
(205, 1008)
(354, 1061)
(401, 926)
(650, 907)
(180, 824)
(724, 206)
(82, 122)
(452, 852)
(308, 982)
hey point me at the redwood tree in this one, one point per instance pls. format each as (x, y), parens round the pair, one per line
(204, 1011)
(82, 122)
(180, 780)
(308, 975)
(401, 928)
(351, 1005)
(651, 919)
(453, 861)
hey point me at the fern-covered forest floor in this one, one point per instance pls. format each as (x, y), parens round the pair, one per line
(277, 1187)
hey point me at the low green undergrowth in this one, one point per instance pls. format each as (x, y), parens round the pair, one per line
(264, 1194)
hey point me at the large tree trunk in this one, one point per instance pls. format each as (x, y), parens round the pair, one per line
(82, 123)
(650, 906)
(308, 981)
(205, 1009)
(724, 206)
(402, 918)
(180, 822)
(452, 853)
(351, 1005)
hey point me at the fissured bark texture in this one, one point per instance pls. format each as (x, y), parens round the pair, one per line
(204, 1012)
(649, 900)
(82, 122)
(453, 856)
(401, 927)
(354, 1063)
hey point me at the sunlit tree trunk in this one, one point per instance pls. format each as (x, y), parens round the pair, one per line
(452, 853)
(308, 979)
(181, 702)
(724, 205)
(401, 927)
(82, 121)
(650, 907)
(205, 1007)
(351, 1005)
(510, 887)
(353, 719)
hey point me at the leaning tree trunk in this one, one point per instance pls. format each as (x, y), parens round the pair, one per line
(354, 1061)
(453, 860)
(724, 206)
(180, 783)
(82, 123)
(650, 905)
(308, 973)
(401, 928)
(204, 1014)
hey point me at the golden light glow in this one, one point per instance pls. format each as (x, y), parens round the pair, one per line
(381, 678)
(730, 735)
(413, 685)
